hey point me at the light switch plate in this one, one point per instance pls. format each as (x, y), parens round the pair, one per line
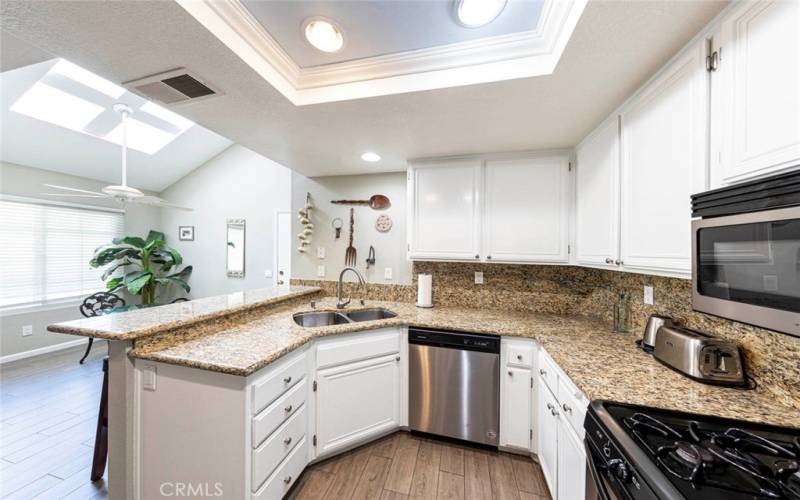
(648, 295)
(320, 252)
(320, 271)
(27, 330)
(149, 378)
(479, 277)
(387, 273)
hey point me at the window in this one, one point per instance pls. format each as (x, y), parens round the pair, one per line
(45, 250)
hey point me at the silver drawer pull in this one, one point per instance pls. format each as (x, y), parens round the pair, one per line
(519, 357)
(542, 371)
(554, 412)
(287, 441)
(288, 379)
(550, 407)
(566, 408)
(397, 358)
(510, 373)
(287, 479)
(288, 409)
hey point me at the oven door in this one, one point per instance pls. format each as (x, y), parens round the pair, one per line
(599, 486)
(746, 267)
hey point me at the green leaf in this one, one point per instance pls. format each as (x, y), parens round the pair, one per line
(130, 240)
(110, 270)
(177, 281)
(135, 285)
(114, 284)
(155, 235)
(105, 255)
(177, 258)
(182, 274)
(153, 245)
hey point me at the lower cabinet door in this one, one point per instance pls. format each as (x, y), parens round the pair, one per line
(515, 430)
(571, 464)
(356, 401)
(548, 437)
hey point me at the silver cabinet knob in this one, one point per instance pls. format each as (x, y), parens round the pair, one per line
(542, 371)
(519, 357)
(554, 412)
(477, 256)
(566, 408)
(287, 479)
(287, 441)
(288, 379)
(488, 257)
(280, 282)
(550, 406)
(618, 262)
(510, 373)
(397, 358)
(288, 409)
(609, 260)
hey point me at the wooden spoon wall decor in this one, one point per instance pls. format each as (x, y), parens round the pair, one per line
(375, 202)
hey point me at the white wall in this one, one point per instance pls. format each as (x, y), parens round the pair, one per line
(27, 181)
(390, 248)
(237, 183)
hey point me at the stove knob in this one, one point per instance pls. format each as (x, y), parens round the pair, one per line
(620, 469)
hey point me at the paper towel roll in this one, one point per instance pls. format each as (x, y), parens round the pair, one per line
(424, 290)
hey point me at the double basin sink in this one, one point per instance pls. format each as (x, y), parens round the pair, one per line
(328, 318)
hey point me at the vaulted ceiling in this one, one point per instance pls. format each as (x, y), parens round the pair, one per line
(614, 48)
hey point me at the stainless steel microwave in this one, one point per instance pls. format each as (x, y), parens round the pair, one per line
(746, 267)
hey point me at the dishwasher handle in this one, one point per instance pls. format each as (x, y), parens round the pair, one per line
(454, 340)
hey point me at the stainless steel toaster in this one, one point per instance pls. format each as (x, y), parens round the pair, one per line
(700, 356)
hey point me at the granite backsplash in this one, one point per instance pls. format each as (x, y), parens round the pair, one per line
(773, 359)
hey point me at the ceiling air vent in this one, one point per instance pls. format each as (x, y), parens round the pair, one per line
(172, 87)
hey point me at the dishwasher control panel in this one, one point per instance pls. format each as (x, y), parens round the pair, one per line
(454, 340)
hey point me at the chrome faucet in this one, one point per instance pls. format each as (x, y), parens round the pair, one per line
(340, 304)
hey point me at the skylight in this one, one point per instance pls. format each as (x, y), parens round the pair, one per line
(76, 99)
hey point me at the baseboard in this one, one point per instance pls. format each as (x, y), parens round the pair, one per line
(43, 350)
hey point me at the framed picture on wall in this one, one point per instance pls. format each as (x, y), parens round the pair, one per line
(186, 233)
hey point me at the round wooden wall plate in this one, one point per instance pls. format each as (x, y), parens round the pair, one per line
(383, 223)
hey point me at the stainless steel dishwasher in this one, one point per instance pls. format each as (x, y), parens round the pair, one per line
(454, 384)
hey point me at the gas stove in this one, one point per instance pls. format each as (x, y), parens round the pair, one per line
(638, 452)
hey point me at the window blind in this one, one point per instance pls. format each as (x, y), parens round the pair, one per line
(45, 251)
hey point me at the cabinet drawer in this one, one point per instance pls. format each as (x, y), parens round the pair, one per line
(278, 412)
(520, 355)
(572, 406)
(267, 456)
(285, 376)
(356, 348)
(548, 371)
(278, 484)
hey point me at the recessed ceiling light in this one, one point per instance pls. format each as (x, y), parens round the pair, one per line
(371, 157)
(323, 34)
(477, 13)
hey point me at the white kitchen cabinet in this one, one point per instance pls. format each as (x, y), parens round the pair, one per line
(597, 198)
(444, 210)
(663, 158)
(548, 436)
(756, 106)
(517, 359)
(571, 463)
(357, 400)
(526, 209)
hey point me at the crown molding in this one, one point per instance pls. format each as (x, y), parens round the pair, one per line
(505, 57)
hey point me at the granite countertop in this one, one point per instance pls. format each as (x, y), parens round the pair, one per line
(603, 365)
(141, 323)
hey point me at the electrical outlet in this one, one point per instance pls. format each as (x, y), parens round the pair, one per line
(387, 273)
(648, 295)
(479, 277)
(149, 378)
(320, 271)
(320, 252)
(27, 330)
(268, 273)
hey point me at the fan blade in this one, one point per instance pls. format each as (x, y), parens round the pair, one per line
(73, 189)
(64, 195)
(155, 201)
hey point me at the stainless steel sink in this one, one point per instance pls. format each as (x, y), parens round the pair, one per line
(320, 318)
(370, 314)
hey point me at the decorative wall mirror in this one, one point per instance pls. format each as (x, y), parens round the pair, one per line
(236, 248)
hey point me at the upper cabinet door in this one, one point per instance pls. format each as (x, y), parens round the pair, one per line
(664, 148)
(597, 208)
(444, 211)
(527, 210)
(758, 110)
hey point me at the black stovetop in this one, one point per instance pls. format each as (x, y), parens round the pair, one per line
(713, 458)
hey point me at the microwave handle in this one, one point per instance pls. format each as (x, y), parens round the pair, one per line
(595, 475)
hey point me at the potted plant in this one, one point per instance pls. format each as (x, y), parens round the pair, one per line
(146, 262)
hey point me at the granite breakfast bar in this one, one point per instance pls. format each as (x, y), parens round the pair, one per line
(239, 337)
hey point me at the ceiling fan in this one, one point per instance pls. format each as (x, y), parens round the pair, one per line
(123, 193)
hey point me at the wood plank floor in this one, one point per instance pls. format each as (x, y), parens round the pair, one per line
(405, 466)
(48, 414)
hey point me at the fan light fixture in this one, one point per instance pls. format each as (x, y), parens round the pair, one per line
(477, 13)
(323, 34)
(371, 157)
